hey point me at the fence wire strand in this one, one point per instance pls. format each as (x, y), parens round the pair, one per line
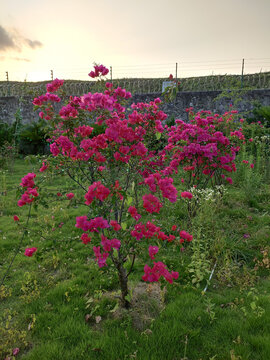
(143, 85)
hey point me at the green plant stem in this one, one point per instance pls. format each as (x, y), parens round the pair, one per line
(132, 264)
(76, 181)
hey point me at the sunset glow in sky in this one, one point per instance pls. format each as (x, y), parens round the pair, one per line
(138, 38)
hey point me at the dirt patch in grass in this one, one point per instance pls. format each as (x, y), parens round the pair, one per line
(146, 304)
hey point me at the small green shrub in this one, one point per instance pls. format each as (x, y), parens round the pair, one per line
(32, 138)
(6, 133)
(262, 114)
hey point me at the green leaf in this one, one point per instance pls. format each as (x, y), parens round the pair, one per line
(115, 308)
(158, 135)
(115, 253)
(124, 226)
(129, 200)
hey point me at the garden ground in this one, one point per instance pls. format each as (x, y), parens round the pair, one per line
(59, 305)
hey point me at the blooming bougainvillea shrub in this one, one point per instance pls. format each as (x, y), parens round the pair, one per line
(106, 150)
(119, 179)
(205, 148)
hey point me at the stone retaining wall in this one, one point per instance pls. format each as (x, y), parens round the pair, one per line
(199, 100)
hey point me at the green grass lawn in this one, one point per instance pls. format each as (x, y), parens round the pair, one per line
(60, 305)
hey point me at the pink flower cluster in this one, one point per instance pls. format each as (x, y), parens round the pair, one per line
(115, 225)
(134, 213)
(202, 146)
(150, 230)
(43, 167)
(45, 98)
(153, 250)
(30, 251)
(27, 181)
(93, 102)
(157, 271)
(93, 225)
(108, 245)
(84, 130)
(124, 136)
(99, 70)
(155, 181)
(117, 93)
(44, 101)
(184, 235)
(100, 257)
(85, 238)
(98, 191)
(31, 193)
(70, 196)
(54, 85)
(151, 203)
(68, 112)
(186, 194)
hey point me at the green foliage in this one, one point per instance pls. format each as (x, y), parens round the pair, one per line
(98, 129)
(252, 306)
(210, 308)
(170, 92)
(6, 133)
(260, 113)
(170, 121)
(10, 336)
(32, 138)
(29, 288)
(8, 152)
(199, 266)
(5, 292)
(9, 133)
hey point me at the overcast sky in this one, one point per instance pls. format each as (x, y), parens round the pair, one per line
(135, 37)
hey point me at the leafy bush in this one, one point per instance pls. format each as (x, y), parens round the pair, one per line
(9, 141)
(32, 138)
(6, 133)
(262, 114)
(9, 133)
(97, 130)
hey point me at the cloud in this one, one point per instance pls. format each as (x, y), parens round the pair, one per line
(13, 40)
(2, 58)
(33, 44)
(6, 40)
(20, 59)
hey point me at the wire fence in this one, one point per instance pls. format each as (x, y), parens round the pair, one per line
(149, 78)
(145, 86)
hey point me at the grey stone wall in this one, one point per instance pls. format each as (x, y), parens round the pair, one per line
(199, 100)
(207, 100)
(9, 105)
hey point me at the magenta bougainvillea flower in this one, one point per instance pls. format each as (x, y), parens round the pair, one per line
(70, 195)
(30, 251)
(186, 194)
(153, 250)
